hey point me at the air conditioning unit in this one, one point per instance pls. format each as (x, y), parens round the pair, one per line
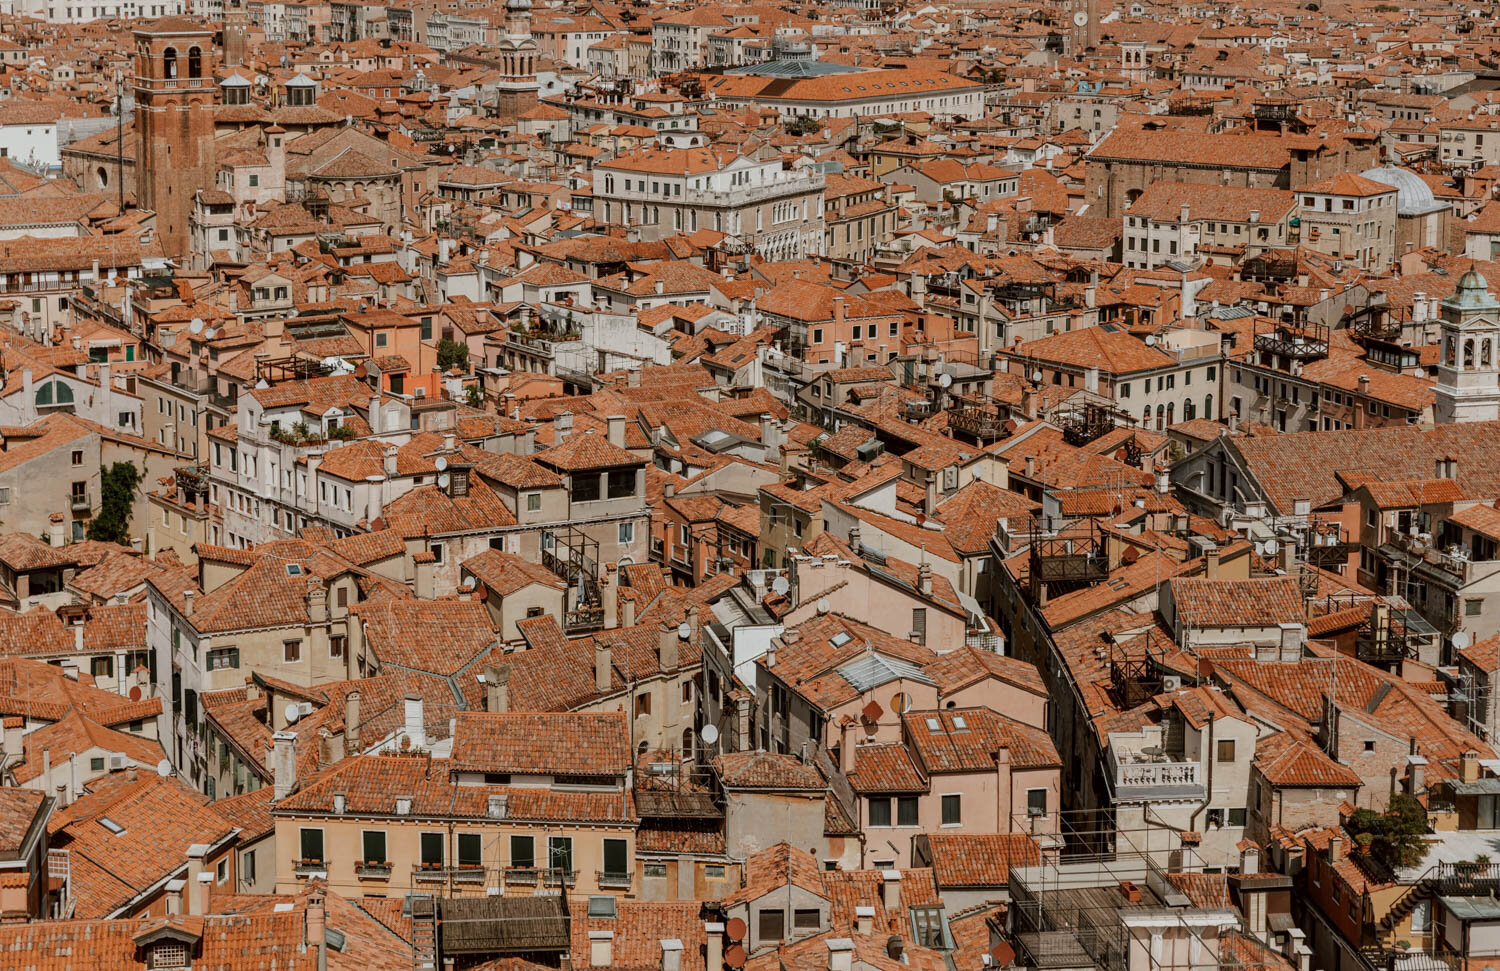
(304, 709)
(116, 763)
(1171, 682)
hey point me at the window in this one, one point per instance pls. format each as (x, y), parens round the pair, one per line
(807, 919)
(224, 657)
(643, 704)
(247, 868)
(523, 852)
(1226, 750)
(929, 928)
(560, 853)
(621, 483)
(432, 850)
(374, 846)
(880, 811)
(470, 849)
(585, 487)
(96, 764)
(713, 871)
(616, 857)
(312, 846)
(436, 549)
(1473, 608)
(291, 651)
(336, 646)
(77, 456)
(772, 925)
(533, 502)
(221, 872)
(102, 667)
(1036, 802)
(1236, 817)
(626, 534)
(906, 810)
(169, 954)
(952, 814)
(817, 335)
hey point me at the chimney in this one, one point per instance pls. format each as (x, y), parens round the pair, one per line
(316, 924)
(1416, 767)
(713, 947)
(610, 593)
(864, 920)
(924, 578)
(197, 880)
(1335, 849)
(1250, 861)
(666, 639)
(890, 891)
(497, 688)
(415, 726)
(1031, 466)
(1211, 564)
(1364, 384)
(374, 409)
(284, 763)
(601, 948)
(562, 426)
(616, 424)
(929, 498)
(351, 723)
(174, 896)
(187, 602)
(602, 679)
(840, 954)
(627, 613)
(671, 954)
(1468, 766)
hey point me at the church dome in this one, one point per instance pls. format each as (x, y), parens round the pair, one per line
(1413, 195)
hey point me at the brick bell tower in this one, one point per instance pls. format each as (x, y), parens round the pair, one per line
(174, 121)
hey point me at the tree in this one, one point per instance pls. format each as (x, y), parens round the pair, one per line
(1394, 837)
(116, 495)
(474, 397)
(452, 354)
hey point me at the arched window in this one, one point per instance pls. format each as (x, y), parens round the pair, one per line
(1484, 353)
(1187, 410)
(54, 393)
(103, 175)
(195, 62)
(1208, 406)
(1161, 416)
(1171, 410)
(169, 63)
(1469, 353)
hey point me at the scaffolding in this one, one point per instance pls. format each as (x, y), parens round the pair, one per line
(1114, 896)
(573, 555)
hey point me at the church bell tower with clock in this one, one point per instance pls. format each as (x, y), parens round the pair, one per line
(1083, 26)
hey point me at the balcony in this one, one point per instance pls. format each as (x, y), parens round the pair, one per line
(463, 873)
(614, 881)
(80, 502)
(584, 618)
(555, 877)
(373, 870)
(307, 867)
(521, 876)
(1143, 771)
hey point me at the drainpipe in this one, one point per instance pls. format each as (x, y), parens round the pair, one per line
(1208, 793)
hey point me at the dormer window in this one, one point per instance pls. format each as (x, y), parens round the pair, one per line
(168, 954)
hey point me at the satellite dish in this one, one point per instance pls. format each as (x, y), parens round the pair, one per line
(735, 929)
(443, 481)
(1036, 376)
(135, 693)
(1002, 954)
(441, 463)
(734, 954)
(292, 712)
(823, 607)
(164, 768)
(468, 583)
(1150, 340)
(196, 326)
(1271, 547)
(210, 334)
(684, 630)
(709, 734)
(780, 586)
(1205, 668)
(945, 380)
(1462, 639)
